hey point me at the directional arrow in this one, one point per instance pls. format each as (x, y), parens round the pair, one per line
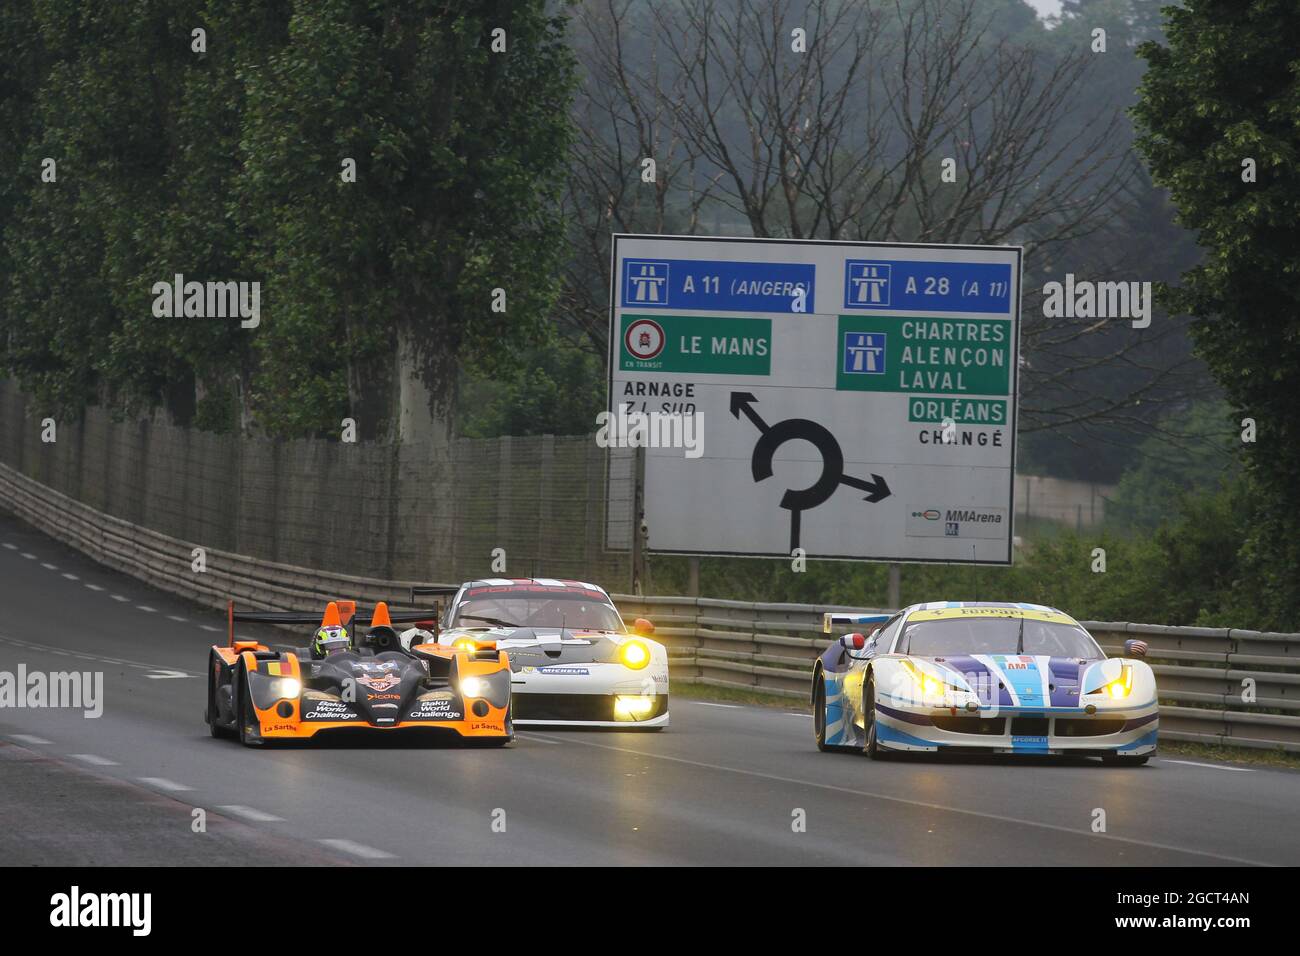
(799, 500)
(744, 402)
(877, 489)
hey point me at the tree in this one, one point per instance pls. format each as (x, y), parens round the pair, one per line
(1220, 93)
(844, 140)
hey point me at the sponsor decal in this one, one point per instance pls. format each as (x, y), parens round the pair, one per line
(439, 708)
(381, 682)
(925, 521)
(564, 671)
(329, 710)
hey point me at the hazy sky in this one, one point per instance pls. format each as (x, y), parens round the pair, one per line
(1045, 7)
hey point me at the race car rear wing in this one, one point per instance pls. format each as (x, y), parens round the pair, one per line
(348, 612)
(868, 622)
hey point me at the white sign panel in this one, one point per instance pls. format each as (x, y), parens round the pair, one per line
(854, 400)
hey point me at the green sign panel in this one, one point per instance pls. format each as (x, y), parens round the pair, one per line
(929, 356)
(700, 344)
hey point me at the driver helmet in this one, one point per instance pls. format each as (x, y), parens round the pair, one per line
(330, 638)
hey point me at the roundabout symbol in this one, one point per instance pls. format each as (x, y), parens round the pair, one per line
(771, 437)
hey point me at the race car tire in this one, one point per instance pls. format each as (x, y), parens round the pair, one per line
(1124, 760)
(213, 712)
(819, 712)
(872, 747)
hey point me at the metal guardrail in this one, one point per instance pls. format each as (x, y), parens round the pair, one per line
(1203, 673)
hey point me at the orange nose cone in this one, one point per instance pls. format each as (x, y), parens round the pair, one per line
(331, 618)
(381, 618)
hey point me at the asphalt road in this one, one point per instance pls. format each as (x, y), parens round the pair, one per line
(723, 785)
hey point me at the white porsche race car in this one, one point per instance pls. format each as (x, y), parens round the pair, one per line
(573, 661)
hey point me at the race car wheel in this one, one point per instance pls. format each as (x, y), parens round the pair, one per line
(1124, 760)
(872, 747)
(213, 715)
(819, 712)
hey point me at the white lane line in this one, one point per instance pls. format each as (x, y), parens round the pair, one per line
(906, 801)
(1208, 766)
(49, 567)
(176, 617)
(538, 737)
(11, 547)
(249, 813)
(29, 556)
(790, 713)
(209, 627)
(29, 739)
(705, 703)
(162, 783)
(94, 587)
(71, 577)
(94, 759)
(359, 849)
(146, 608)
(118, 597)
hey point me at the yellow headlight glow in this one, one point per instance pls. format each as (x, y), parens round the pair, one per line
(634, 654)
(473, 687)
(1122, 685)
(632, 707)
(465, 644)
(287, 687)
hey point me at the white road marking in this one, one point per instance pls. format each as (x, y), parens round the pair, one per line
(359, 849)
(162, 783)
(49, 567)
(11, 547)
(45, 648)
(94, 759)
(71, 577)
(538, 737)
(790, 713)
(29, 556)
(146, 608)
(209, 627)
(705, 703)
(29, 739)
(165, 675)
(905, 801)
(118, 597)
(1210, 766)
(176, 617)
(94, 587)
(249, 813)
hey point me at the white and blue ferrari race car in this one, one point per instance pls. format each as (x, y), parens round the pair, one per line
(971, 676)
(573, 661)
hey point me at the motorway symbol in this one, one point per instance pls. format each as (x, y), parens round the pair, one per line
(771, 437)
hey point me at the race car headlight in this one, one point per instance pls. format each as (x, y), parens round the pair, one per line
(1119, 688)
(634, 655)
(465, 644)
(632, 707)
(928, 685)
(473, 687)
(288, 687)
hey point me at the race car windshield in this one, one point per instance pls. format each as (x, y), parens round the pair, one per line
(952, 637)
(576, 612)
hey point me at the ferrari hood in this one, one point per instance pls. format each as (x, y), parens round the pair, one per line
(1019, 680)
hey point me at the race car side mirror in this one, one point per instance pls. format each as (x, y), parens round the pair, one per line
(643, 627)
(853, 642)
(1135, 648)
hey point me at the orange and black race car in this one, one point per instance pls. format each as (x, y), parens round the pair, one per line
(346, 682)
